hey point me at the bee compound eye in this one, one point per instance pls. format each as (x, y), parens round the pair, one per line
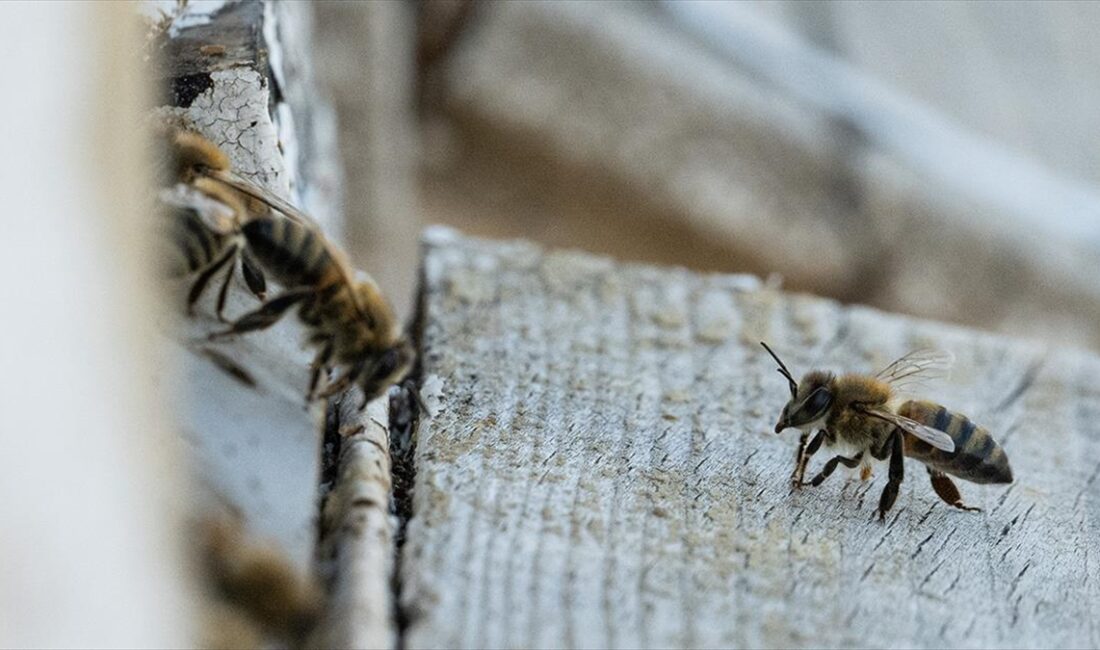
(387, 364)
(817, 402)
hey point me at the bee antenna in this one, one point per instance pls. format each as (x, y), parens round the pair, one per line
(782, 369)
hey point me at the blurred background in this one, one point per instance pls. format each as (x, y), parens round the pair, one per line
(936, 159)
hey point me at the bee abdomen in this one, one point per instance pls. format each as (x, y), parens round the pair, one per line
(291, 252)
(196, 245)
(977, 456)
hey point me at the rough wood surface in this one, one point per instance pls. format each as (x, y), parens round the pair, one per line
(358, 533)
(254, 442)
(601, 471)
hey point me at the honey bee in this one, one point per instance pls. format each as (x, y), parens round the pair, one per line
(206, 234)
(256, 590)
(863, 415)
(349, 320)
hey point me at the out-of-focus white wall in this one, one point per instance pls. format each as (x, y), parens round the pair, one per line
(89, 553)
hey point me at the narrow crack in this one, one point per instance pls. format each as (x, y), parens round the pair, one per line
(404, 414)
(1026, 382)
(404, 419)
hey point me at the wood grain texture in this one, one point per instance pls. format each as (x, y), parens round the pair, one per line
(601, 471)
(358, 533)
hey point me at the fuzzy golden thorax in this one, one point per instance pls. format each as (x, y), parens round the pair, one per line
(193, 152)
(859, 389)
(852, 426)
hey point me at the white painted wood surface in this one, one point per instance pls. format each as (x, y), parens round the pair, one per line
(601, 471)
(258, 446)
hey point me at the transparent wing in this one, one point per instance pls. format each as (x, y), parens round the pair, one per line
(934, 437)
(215, 215)
(294, 214)
(916, 367)
(270, 199)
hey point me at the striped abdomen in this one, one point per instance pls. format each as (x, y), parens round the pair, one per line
(194, 246)
(292, 252)
(977, 456)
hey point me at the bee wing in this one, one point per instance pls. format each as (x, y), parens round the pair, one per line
(211, 212)
(272, 200)
(934, 437)
(917, 366)
(294, 214)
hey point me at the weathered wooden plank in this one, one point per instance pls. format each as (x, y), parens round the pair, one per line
(357, 533)
(255, 442)
(601, 471)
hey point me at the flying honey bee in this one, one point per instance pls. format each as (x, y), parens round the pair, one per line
(863, 415)
(349, 320)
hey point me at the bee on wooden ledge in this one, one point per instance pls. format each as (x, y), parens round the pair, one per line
(204, 216)
(863, 415)
(348, 320)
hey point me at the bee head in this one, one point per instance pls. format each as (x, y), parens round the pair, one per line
(391, 368)
(810, 399)
(194, 154)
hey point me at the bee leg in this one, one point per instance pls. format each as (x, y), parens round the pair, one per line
(865, 472)
(267, 314)
(319, 362)
(224, 291)
(343, 381)
(830, 466)
(947, 491)
(204, 279)
(410, 388)
(804, 454)
(253, 276)
(800, 461)
(897, 473)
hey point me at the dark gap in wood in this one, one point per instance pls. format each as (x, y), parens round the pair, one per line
(232, 38)
(187, 87)
(404, 417)
(332, 444)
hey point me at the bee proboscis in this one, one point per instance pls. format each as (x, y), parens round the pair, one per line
(864, 414)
